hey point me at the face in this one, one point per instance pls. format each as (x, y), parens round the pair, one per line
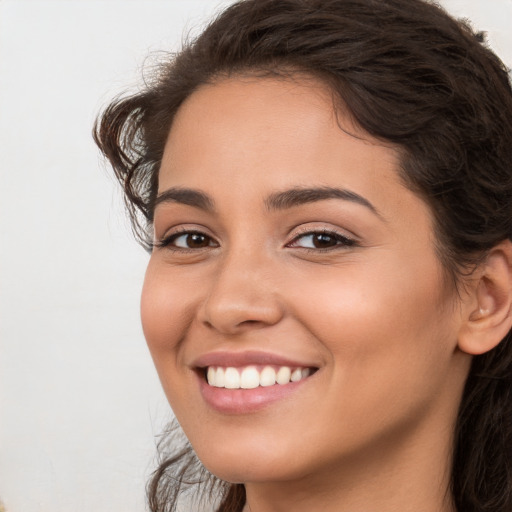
(294, 305)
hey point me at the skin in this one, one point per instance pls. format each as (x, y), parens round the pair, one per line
(371, 430)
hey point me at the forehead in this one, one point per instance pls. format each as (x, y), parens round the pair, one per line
(286, 128)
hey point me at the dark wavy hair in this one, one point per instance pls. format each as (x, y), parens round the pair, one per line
(408, 74)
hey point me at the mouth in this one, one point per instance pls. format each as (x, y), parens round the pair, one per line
(246, 382)
(253, 376)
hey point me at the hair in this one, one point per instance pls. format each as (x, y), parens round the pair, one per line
(408, 74)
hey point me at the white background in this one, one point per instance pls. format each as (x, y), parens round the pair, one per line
(80, 403)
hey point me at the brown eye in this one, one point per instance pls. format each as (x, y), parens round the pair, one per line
(322, 240)
(196, 241)
(188, 240)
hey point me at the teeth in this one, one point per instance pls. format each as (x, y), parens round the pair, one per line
(267, 376)
(283, 375)
(296, 375)
(231, 378)
(210, 376)
(219, 377)
(250, 378)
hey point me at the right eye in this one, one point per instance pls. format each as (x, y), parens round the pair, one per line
(187, 240)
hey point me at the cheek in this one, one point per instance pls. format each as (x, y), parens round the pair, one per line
(371, 299)
(388, 329)
(164, 316)
(156, 307)
(167, 303)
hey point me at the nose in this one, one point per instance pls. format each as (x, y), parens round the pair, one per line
(243, 295)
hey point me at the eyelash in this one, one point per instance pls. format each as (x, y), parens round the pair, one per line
(167, 241)
(342, 241)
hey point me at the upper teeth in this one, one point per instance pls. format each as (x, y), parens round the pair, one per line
(250, 377)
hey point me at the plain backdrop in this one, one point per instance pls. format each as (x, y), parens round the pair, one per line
(80, 403)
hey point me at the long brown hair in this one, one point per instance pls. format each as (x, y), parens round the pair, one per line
(410, 74)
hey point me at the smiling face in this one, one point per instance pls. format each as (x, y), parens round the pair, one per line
(288, 249)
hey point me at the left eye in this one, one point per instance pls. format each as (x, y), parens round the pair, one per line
(321, 240)
(188, 240)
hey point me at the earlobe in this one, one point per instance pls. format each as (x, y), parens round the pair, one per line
(490, 304)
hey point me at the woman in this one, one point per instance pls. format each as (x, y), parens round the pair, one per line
(325, 186)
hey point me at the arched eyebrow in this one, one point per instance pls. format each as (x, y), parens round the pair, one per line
(299, 196)
(276, 201)
(188, 196)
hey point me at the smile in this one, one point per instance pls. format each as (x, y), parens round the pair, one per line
(246, 382)
(251, 377)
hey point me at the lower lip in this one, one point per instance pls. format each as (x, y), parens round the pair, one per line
(244, 401)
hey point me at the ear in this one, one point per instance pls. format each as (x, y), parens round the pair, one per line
(489, 305)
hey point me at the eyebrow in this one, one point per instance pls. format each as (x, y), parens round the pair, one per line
(299, 196)
(186, 196)
(276, 201)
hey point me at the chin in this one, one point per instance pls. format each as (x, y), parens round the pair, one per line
(250, 462)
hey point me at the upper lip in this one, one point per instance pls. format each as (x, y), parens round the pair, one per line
(246, 358)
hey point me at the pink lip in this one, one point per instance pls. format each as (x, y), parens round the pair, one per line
(245, 401)
(251, 357)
